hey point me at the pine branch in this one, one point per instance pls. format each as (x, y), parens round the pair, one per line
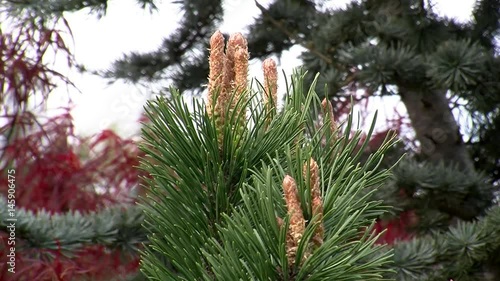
(220, 213)
(55, 8)
(199, 22)
(118, 227)
(461, 253)
(291, 35)
(486, 24)
(430, 189)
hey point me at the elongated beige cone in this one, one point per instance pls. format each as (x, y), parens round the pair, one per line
(240, 72)
(270, 83)
(236, 67)
(297, 222)
(217, 94)
(235, 41)
(237, 70)
(317, 202)
(228, 80)
(328, 115)
(216, 70)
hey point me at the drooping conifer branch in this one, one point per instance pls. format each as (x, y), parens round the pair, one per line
(115, 227)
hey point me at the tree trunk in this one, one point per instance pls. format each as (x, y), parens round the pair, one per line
(440, 140)
(436, 127)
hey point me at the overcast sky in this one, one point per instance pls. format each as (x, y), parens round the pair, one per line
(97, 43)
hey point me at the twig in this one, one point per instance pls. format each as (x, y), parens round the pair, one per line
(283, 29)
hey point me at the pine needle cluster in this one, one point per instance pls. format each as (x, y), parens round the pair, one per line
(241, 191)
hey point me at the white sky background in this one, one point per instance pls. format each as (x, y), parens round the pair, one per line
(97, 43)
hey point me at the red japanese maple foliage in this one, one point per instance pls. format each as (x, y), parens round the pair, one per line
(63, 172)
(56, 170)
(396, 229)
